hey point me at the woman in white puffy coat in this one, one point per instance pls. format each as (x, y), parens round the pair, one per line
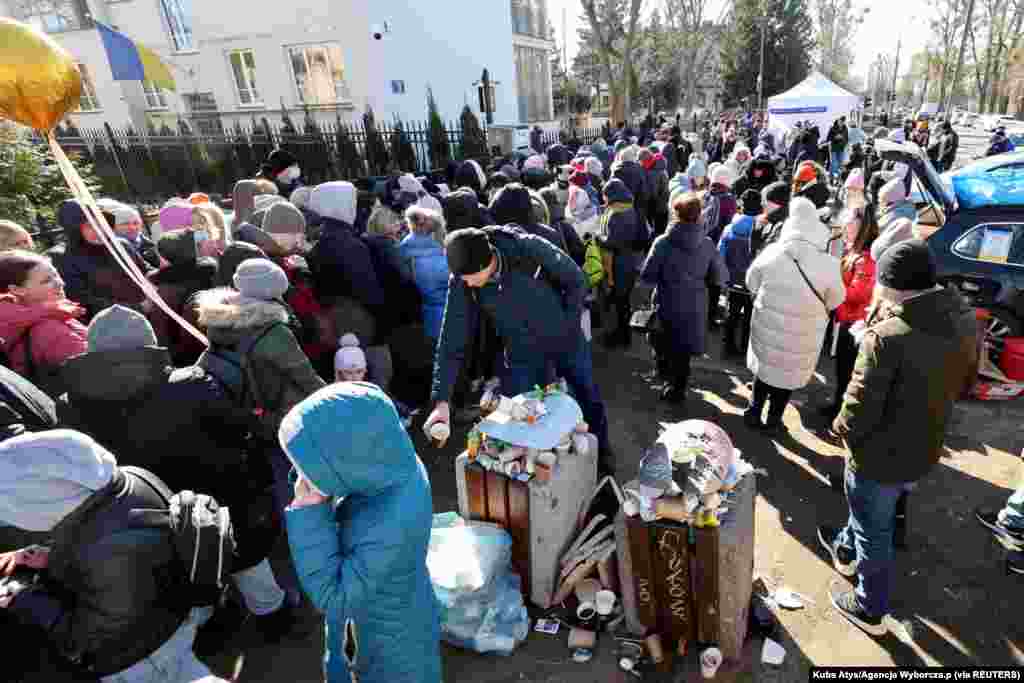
(790, 314)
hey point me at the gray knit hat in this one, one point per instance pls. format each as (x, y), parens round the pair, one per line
(119, 328)
(260, 278)
(282, 218)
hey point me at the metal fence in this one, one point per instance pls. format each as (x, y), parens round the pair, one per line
(159, 164)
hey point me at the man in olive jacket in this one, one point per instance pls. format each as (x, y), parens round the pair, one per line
(913, 363)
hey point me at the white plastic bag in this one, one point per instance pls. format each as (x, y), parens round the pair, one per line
(463, 559)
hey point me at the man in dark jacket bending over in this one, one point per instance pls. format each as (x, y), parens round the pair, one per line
(533, 292)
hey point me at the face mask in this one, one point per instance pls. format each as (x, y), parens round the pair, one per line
(201, 236)
(290, 174)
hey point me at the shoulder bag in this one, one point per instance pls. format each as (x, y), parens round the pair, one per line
(808, 281)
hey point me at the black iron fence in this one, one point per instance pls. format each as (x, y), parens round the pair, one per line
(167, 162)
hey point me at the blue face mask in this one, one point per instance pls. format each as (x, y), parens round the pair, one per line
(201, 236)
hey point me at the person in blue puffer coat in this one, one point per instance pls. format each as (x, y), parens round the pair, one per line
(359, 529)
(424, 247)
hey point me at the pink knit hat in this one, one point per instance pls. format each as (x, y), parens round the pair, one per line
(175, 217)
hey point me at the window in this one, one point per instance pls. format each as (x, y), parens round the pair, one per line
(202, 108)
(319, 73)
(243, 66)
(533, 83)
(993, 242)
(155, 98)
(88, 101)
(53, 16)
(179, 23)
(530, 18)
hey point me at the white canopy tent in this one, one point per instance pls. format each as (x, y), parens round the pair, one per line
(815, 99)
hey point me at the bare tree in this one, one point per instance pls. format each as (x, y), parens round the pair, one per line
(694, 37)
(999, 25)
(837, 22)
(616, 51)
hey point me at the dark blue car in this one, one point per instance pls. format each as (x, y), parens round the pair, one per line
(977, 231)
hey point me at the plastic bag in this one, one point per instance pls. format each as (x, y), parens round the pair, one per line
(481, 598)
(463, 559)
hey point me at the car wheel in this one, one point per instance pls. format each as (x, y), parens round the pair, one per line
(1001, 325)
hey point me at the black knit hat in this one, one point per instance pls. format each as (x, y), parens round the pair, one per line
(777, 192)
(279, 160)
(908, 265)
(750, 200)
(469, 251)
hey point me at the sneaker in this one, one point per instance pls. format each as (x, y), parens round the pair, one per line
(1011, 539)
(226, 621)
(843, 559)
(846, 603)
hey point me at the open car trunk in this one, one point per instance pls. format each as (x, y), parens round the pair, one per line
(938, 201)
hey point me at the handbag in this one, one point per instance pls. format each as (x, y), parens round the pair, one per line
(646, 320)
(807, 280)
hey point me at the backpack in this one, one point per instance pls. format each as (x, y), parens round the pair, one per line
(593, 265)
(23, 406)
(202, 533)
(232, 367)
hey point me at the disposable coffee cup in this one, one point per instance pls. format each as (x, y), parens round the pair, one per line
(586, 611)
(605, 602)
(439, 433)
(710, 660)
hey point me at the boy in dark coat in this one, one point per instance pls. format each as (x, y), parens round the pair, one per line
(734, 246)
(621, 236)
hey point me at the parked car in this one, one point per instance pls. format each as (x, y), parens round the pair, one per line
(979, 246)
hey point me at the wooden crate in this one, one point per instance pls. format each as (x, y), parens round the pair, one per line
(541, 517)
(693, 584)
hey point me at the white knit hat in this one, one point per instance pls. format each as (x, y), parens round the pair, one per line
(722, 176)
(349, 356)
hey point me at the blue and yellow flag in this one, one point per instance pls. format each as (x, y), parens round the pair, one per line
(131, 61)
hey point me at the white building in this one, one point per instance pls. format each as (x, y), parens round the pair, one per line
(237, 59)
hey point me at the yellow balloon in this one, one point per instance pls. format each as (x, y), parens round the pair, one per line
(39, 83)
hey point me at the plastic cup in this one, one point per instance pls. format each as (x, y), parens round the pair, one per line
(710, 660)
(586, 611)
(605, 601)
(439, 432)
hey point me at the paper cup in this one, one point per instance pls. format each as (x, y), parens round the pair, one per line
(440, 432)
(581, 637)
(710, 660)
(586, 612)
(605, 601)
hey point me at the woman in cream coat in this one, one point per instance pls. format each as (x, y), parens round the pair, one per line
(790, 313)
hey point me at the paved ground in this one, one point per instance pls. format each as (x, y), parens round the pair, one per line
(952, 602)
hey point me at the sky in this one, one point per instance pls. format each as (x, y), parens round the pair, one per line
(886, 22)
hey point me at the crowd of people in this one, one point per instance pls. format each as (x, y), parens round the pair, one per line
(331, 317)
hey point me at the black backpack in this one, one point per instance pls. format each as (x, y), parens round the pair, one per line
(203, 536)
(232, 367)
(23, 406)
